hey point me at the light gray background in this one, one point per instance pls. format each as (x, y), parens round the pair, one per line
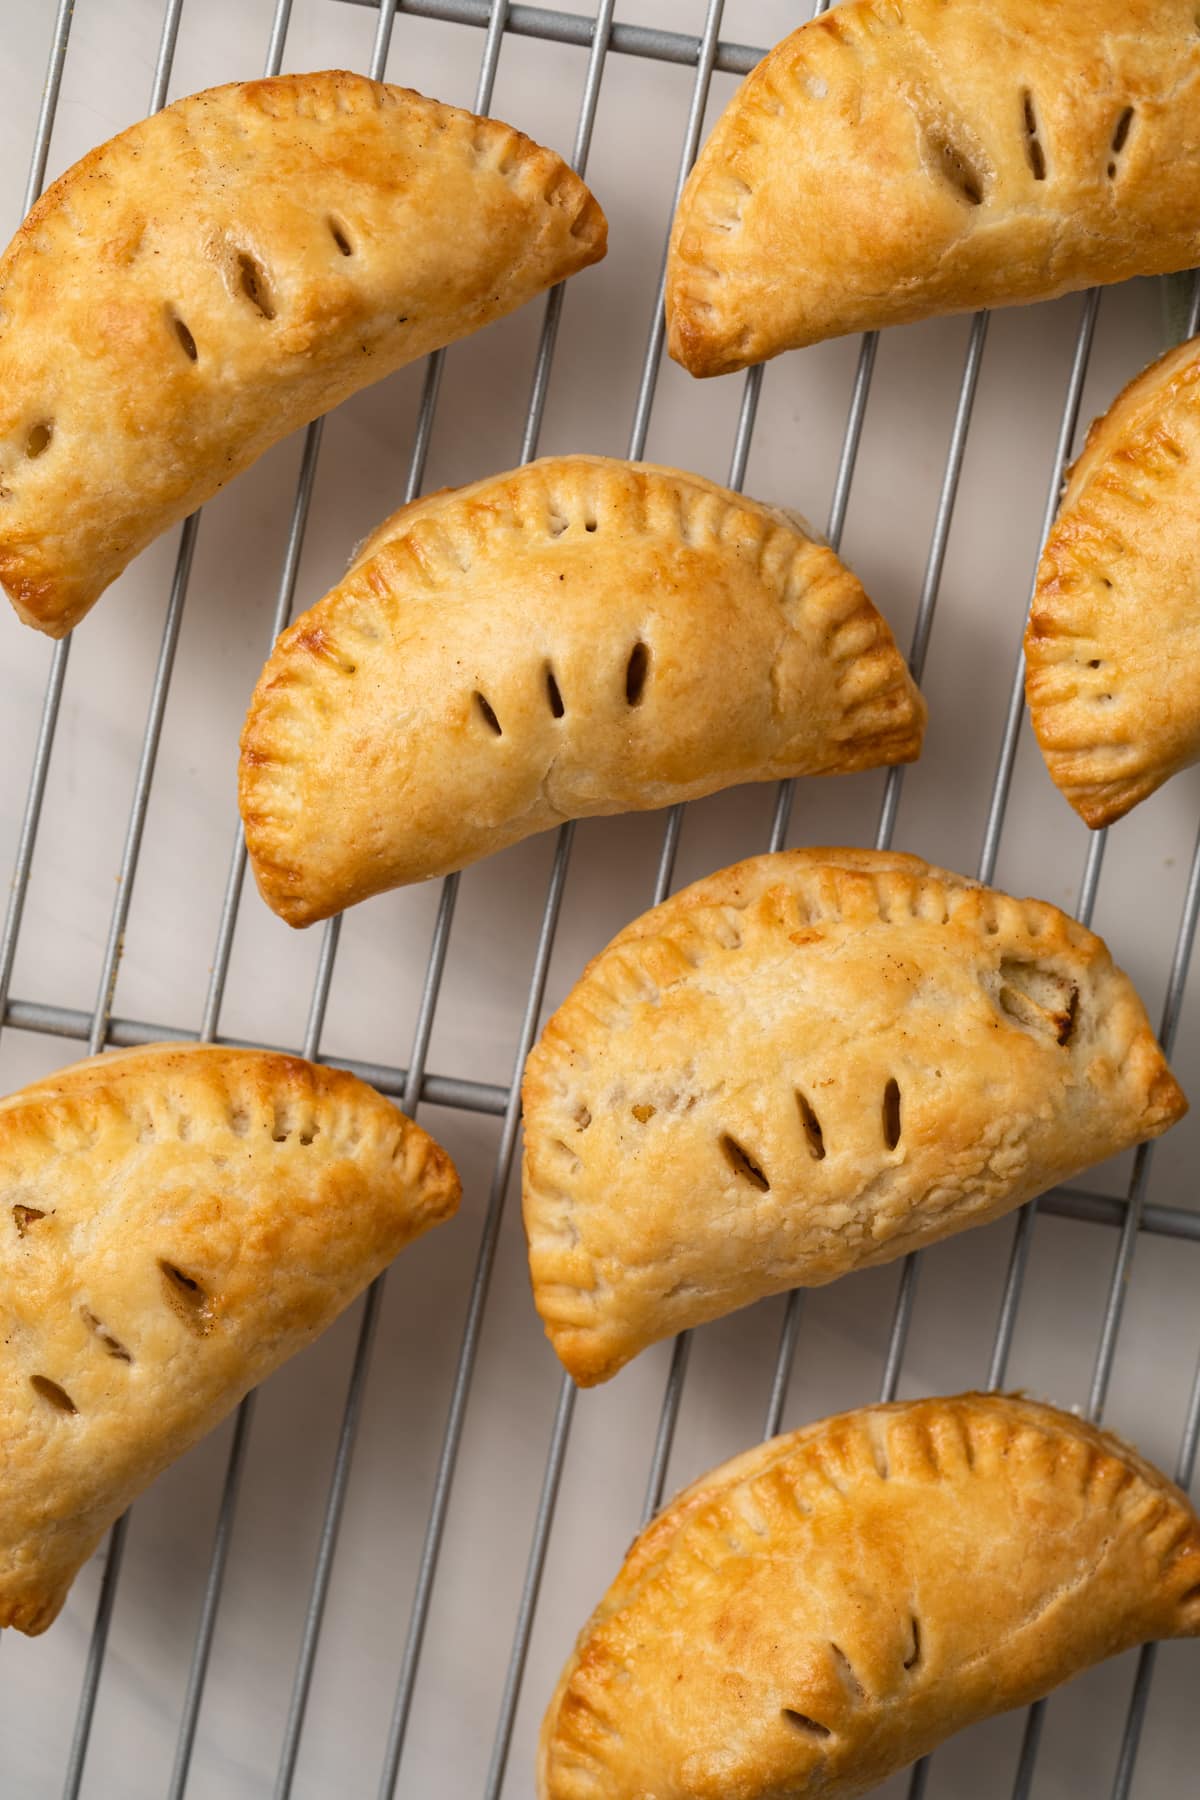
(384, 945)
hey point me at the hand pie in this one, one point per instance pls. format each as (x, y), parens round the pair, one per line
(1113, 643)
(579, 636)
(822, 1610)
(810, 1063)
(895, 159)
(221, 273)
(177, 1222)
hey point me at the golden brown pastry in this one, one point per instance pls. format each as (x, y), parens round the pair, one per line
(225, 271)
(1113, 643)
(899, 158)
(810, 1063)
(822, 1610)
(579, 636)
(177, 1222)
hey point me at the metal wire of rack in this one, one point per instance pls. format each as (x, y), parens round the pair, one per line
(601, 37)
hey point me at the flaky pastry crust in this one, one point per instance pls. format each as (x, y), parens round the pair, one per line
(177, 1222)
(810, 1063)
(894, 159)
(225, 271)
(1112, 649)
(579, 636)
(824, 1609)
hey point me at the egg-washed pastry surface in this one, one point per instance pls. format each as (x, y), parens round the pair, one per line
(894, 159)
(225, 271)
(823, 1610)
(177, 1222)
(807, 1064)
(579, 636)
(1112, 649)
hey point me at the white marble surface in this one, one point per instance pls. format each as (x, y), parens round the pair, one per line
(173, 922)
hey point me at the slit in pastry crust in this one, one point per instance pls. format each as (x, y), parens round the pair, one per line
(189, 1217)
(225, 271)
(811, 1063)
(825, 1609)
(576, 637)
(895, 159)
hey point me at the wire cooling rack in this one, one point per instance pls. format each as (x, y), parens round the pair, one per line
(366, 1582)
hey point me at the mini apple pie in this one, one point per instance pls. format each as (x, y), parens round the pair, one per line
(177, 1222)
(579, 636)
(810, 1063)
(1113, 643)
(894, 159)
(822, 1610)
(228, 269)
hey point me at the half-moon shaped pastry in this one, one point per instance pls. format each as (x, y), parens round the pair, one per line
(824, 1609)
(894, 159)
(228, 269)
(177, 1222)
(579, 636)
(811, 1063)
(1113, 643)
